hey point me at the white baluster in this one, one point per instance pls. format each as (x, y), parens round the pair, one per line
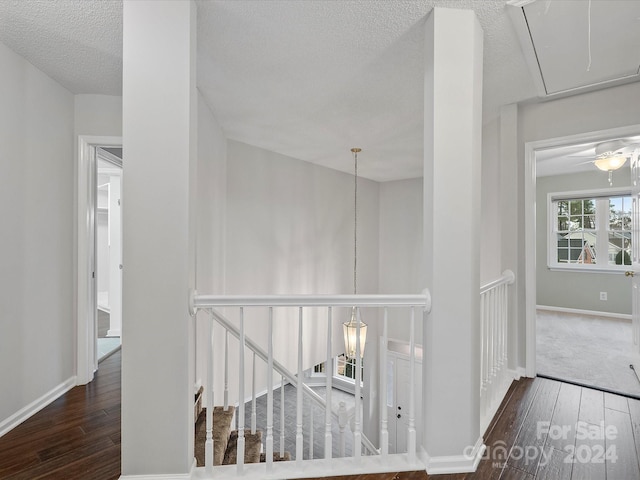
(299, 436)
(500, 359)
(253, 395)
(208, 446)
(310, 431)
(505, 331)
(490, 364)
(282, 418)
(240, 456)
(328, 370)
(411, 440)
(226, 370)
(496, 358)
(384, 432)
(269, 440)
(357, 435)
(483, 354)
(342, 424)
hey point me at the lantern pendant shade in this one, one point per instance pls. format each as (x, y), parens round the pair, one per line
(350, 330)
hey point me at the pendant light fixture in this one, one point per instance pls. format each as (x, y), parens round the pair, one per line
(355, 325)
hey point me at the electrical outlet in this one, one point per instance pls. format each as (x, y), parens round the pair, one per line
(603, 296)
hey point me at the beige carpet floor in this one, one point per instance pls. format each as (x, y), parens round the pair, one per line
(594, 351)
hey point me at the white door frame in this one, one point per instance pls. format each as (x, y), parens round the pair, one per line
(86, 301)
(530, 222)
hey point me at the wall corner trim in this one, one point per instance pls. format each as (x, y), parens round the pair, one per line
(37, 405)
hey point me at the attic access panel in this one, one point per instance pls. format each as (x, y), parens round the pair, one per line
(582, 44)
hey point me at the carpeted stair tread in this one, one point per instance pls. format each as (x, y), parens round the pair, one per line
(221, 430)
(252, 447)
(276, 457)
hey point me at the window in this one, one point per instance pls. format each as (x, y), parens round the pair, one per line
(343, 368)
(590, 230)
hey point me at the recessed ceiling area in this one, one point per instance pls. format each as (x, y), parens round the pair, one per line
(579, 44)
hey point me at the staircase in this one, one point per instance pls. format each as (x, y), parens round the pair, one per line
(225, 440)
(224, 446)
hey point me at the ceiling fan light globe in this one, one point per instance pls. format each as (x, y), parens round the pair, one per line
(609, 163)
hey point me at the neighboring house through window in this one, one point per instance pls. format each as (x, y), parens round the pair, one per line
(590, 230)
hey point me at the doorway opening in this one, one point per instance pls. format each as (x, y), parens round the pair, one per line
(108, 227)
(580, 236)
(90, 149)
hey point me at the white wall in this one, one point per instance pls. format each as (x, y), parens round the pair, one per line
(401, 248)
(290, 230)
(211, 213)
(490, 234)
(571, 289)
(36, 210)
(98, 115)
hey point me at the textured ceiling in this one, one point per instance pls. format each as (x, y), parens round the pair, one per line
(312, 79)
(305, 78)
(76, 42)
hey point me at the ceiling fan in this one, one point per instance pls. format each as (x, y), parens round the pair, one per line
(608, 156)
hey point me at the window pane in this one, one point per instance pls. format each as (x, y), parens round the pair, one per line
(575, 207)
(563, 207)
(620, 213)
(589, 207)
(619, 248)
(576, 222)
(563, 255)
(563, 224)
(590, 222)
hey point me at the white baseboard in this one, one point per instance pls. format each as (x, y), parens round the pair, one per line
(592, 313)
(37, 405)
(318, 468)
(518, 373)
(164, 476)
(466, 462)
(114, 333)
(159, 476)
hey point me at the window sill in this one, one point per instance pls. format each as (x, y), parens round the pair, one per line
(614, 271)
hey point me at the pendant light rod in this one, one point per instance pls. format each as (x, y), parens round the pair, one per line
(355, 151)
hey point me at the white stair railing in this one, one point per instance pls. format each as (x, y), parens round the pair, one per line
(210, 303)
(494, 375)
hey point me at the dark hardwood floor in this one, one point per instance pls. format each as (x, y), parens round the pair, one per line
(76, 437)
(533, 436)
(548, 430)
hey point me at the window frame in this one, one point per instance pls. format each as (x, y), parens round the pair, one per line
(601, 228)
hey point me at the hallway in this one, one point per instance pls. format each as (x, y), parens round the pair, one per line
(78, 436)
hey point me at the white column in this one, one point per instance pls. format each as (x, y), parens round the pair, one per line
(159, 138)
(453, 127)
